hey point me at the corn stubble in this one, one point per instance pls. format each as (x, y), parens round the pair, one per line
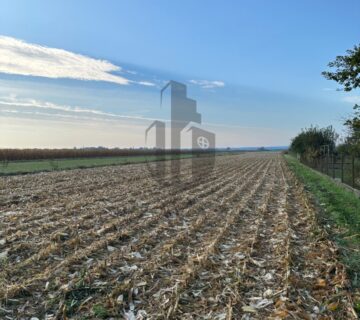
(239, 242)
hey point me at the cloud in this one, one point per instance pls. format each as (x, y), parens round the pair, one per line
(32, 109)
(13, 104)
(60, 125)
(21, 58)
(206, 84)
(352, 99)
(146, 83)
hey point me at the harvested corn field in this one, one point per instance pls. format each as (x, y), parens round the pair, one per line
(239, 242)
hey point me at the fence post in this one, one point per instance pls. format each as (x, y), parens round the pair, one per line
(327, 164)
(342, 167)
(353, 171)
(333, 163)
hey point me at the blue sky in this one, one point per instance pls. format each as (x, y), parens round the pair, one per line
(254, 68)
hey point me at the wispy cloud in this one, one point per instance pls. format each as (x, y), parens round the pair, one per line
(21, 58)
(13, 104)
(207, 84)
(146, 83)
(60, 125)
(352, 99)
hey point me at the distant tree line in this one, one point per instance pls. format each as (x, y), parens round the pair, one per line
(48, 154)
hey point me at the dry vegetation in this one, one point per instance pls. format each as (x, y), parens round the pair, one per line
(240, 242)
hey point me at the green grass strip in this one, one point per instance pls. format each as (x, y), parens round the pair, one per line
(23, 167)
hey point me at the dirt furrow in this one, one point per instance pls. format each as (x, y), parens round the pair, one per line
(151, 243)
(83, 199)
(265, 271)
(242, 242)
(103, 244)
(85, 218)
(34, 189)
(317, 283)
(59, 247)
(214, 292)
(165, 274)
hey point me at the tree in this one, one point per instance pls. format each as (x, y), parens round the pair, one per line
(347, 71)
(309, 142)
(353, 125)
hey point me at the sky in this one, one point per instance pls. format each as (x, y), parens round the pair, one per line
(89, 73)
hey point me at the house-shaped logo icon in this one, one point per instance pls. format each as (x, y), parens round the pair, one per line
(202, 139)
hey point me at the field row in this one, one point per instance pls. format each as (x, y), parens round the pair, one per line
(237, 242)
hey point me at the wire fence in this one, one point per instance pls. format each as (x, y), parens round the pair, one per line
(344, 168)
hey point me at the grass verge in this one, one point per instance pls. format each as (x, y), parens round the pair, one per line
(340, 212)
